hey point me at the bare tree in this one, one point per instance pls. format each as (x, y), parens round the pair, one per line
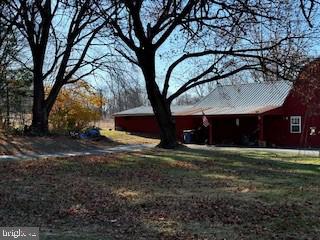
(308, 8)
(60, 36)
(6, 24)
(7, 45)
(220, 36)
(187, 99)
(9, 49)
(123, 90)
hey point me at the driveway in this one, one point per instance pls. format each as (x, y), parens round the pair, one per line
(120, 148)
(302, 152)
(141, 147)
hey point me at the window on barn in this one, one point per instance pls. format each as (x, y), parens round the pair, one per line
(295, 124)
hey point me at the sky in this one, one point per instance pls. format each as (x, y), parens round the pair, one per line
(170, 51)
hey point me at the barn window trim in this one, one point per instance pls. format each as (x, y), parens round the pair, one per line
(295, 124)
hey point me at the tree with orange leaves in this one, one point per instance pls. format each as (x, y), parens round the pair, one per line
(76, 107)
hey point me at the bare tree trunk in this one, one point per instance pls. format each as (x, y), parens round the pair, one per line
(160, 105)
(39, 119)
(39, 111)
(7, 122)
(163, 115)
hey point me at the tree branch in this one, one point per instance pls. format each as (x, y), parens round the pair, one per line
(194, 82)
(186, 10)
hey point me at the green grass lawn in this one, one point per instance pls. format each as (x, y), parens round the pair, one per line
(123, 137)
(161, 194)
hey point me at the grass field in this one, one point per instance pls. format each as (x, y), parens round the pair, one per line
(157, 194)
(128, 138)
(12, 145)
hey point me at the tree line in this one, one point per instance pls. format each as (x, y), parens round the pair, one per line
(174, 45)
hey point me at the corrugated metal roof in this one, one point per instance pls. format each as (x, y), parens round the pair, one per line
(147, 111)
(247, 95)
(250, 98)
(234, 110)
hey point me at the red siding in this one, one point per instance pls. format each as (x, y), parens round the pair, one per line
(276, 128)
(294, 107)
(300, 99)
(148, 124)
(143, 124)
(304, 101)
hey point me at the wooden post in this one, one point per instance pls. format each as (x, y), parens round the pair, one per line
(210, 133)
(261, 141)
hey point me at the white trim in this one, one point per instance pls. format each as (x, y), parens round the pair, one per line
(295, 124)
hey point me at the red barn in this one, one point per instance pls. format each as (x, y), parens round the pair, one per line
(266, 114)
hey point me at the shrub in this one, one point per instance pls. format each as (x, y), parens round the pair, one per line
(76, 107)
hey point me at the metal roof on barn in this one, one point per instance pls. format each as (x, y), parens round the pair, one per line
(250, 98)
(147, 111)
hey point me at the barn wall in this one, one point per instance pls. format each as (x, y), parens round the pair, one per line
(292, 107)
(277, 128)
(314, 141)
(148, 124)
(141, 124)
(304, 101)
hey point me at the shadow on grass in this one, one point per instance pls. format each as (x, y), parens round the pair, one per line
(161, 194)
(251, 163)
(12, 145)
